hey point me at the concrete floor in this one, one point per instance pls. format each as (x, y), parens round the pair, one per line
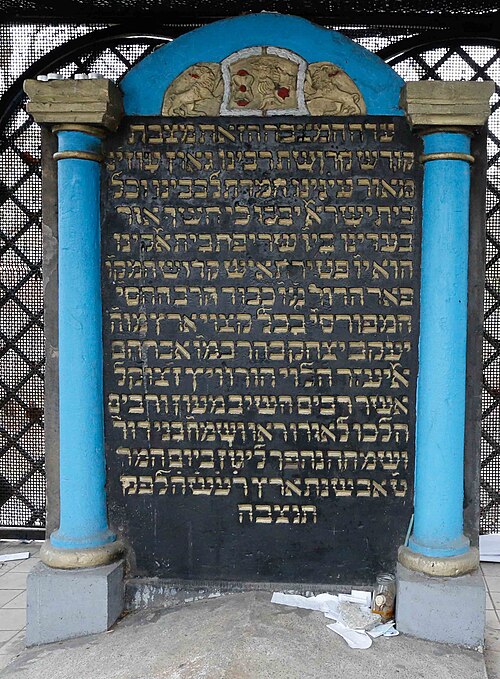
(491, 573)
(237, 637)
(13, 598)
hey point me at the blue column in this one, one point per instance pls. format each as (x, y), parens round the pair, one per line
(439, 474)
(83, 519)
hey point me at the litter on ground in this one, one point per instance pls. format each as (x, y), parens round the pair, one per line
(354, 620)
(17, 556)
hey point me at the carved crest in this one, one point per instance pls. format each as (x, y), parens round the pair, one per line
(267, 82)
(263, 81)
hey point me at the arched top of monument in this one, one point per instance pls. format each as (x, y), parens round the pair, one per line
(262, 64)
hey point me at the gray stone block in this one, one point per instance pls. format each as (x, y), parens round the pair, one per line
(449, 610)
(62, 604)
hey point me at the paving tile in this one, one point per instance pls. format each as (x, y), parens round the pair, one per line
(7, 595)
(491, 631)
(34, 550)
(492, 620)
(14, 646)
(11, 547)
(490, 568)
(493, 583)
(6, 566)
(4, 661)
(12, 580)
(492, 639)
(12, 619)
(6, 544)
(6, 635)
(490, 606)
(492, 660)
(18, 601)
(495, 597)
(24, 566)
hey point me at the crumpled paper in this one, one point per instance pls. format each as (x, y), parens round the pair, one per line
(354, 638)
(355, 622)
(326, 603)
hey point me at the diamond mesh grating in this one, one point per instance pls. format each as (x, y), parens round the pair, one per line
(474, 62)
(22, 490)
(216, 9)
(23, 44)
(22, 480)
(22, 475)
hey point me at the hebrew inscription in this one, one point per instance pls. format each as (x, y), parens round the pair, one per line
(261, 317)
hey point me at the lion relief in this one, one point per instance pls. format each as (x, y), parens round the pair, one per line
(329, 91)
(197, 91)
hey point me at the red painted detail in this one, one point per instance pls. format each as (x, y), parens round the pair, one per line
(283, 92)
(194, 75)
(242, 102)
(242, 72)
(243, 88)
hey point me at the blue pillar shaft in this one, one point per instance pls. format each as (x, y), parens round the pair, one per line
(439, 474)
(83, 518)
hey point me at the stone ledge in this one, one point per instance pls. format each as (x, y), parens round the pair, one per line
(85, 102)
(447, 104)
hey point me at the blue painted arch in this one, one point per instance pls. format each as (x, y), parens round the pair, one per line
(145, 84)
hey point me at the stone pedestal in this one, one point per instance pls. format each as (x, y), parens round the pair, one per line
(450, 610)
(63, 604)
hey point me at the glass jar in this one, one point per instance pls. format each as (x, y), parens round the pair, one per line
(384, 596)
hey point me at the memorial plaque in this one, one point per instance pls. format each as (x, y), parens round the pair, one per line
(261, 321)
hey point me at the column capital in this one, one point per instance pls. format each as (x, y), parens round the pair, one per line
(436, 104)
(94, 103)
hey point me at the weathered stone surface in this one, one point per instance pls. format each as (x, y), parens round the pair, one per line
(84, 102)
(240, 636)
(447, 104)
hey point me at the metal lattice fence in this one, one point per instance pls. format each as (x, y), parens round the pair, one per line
(478, 62)
(22, 469)
(22, 483)
(22, 489)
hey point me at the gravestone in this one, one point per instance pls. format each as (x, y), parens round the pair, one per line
(281, 296)
(260, 273)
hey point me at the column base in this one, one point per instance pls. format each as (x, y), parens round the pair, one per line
(449, 566)
(448, 610)
(65, 604)
(80, 558)
(444, 567)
